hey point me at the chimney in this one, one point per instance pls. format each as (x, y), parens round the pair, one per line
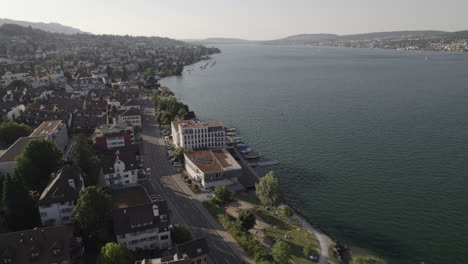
(71, 183)
(155, 210)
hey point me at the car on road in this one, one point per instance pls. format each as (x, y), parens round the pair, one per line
(148, 171)
(168, 147)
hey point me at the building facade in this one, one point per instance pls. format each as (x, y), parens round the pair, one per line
(55, 131)
(109, 136)
(193, 136)
(120, 165)
(58, 199)
(212, 168)
(139, 222)
(131, 117)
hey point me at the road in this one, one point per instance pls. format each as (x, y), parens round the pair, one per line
(185, 208)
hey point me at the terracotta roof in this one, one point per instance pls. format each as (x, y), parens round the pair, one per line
(46, 128)
(210, 161)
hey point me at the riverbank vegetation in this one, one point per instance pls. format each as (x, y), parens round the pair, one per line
(267, 232)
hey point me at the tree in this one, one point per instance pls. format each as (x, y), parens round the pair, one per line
(246, 220)
(180, 234)
(19, 208)
(268, 189)
(222, 194)
(18, 84)
(39, 159)
(124, 74)
(37, 69)
(93, 212)
(308, 250)
(68, 76)
(367, 260)
(281, 252)
(114, 253)
(182, 113)
(11, 131)
(85, 158)
(179, 154)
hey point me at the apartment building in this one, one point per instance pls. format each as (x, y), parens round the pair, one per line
(198, 135)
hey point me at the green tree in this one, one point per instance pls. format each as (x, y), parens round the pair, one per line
(85, 158)
(18, 84)
(39, 159)
(11, 131)
(180, 234)
(124, 74)
(182, 113)
(286, 211)
(308, 250)
(37, 69)
(268, 189)
(367, 260)
(246, 220)
(93, 212)
(222, 194)
(114, 253)
(19, 208)
(68, 76)
(179, 154)
(281, 252)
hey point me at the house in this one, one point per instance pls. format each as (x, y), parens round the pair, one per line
(55, 131)
(120, 165)
(109, 136)
(139, 222)
(57, 201)
(7, 159)
(130, 104)
(198, 135)
(131, 116)
(212, 167)
(55, 244)
(195, 251)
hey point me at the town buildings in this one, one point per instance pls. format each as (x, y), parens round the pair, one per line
(139, 222)
(46, 245)
(194, 251)
(131, 117)
(110, 136)
(212, 168)
(57, 201)
(120, 165)
(197, 135)
(55, 131)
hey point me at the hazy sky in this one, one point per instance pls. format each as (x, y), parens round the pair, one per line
(250, 19)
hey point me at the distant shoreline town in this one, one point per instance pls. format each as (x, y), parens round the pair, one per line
(398, 40)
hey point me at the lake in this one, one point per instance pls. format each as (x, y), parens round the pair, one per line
(373, 144)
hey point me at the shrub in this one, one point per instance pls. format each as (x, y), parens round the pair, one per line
(286, 211)
(180, 234)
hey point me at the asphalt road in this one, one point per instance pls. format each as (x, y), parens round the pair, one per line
(185, 208)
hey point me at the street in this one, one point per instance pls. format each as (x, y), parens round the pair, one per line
(185, 208)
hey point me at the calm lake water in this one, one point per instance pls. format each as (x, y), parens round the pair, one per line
(373, 144)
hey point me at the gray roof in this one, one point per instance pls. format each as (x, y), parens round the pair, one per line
(130, 112)
(59, 189)
(129, 154)
(138, 211)
(17, 148)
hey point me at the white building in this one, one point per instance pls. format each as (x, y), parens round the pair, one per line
(140, 223)
(212, 168)
(131, 116)
(60, 196)
(120, 165)
(192, 136)
(55, 131)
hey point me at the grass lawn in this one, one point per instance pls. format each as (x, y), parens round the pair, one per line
(281, 226)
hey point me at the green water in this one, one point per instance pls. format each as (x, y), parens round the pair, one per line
(373, 144)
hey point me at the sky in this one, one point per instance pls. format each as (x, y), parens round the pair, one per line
(247, 19)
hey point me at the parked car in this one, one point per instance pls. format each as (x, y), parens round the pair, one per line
(148, 171)
(178, 164)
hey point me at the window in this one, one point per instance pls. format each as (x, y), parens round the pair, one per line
(164, 237)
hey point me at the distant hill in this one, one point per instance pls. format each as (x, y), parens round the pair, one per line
(49, 27)
(316, 38)
(220, 41)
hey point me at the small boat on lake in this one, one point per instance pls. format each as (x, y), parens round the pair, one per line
(252, 155)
